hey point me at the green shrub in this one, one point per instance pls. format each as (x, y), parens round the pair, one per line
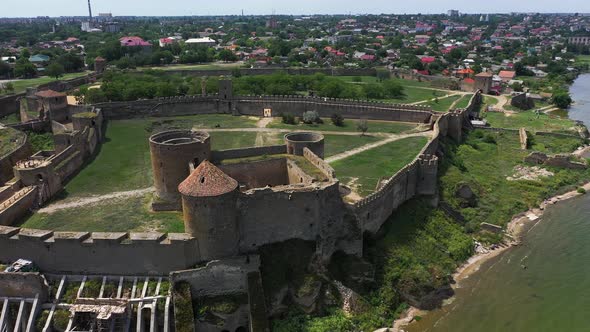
(61, 318)
(581, 190)
(337, 120)
(489, 138)
(288, 118)
(311, 117)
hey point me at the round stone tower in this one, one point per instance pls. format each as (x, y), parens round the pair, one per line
(209, 198)
(297, 141)
(174, 154)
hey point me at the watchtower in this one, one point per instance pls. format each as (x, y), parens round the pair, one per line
(174, 154)
(209, 205)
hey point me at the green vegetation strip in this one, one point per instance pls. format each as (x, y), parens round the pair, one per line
(9, 140)
(484, 162)
(365, 169)
(531, 121)
(115, 215)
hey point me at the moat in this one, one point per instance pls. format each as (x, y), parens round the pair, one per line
(538, 286)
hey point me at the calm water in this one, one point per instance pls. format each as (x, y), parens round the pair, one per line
(552, 293)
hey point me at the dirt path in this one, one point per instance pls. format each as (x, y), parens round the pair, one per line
(432, 99)
(261, 136)
(263, 122)
(391, 138)
(83, 201)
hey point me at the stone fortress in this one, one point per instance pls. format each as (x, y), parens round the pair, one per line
(233, 201)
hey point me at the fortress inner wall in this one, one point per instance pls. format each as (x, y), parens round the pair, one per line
(221, 155)
(313, 213)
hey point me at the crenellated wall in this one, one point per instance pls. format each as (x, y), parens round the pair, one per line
(99, 253)
(320, 163)
(7, 161)
(255, 105)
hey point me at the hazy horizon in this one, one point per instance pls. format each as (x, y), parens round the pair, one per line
(56, 8)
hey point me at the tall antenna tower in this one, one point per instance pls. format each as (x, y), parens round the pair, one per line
(89, 12)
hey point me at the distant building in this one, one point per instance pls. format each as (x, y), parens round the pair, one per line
(483, 82)
(112, 27)
(453, 13)
(205, 41)
(579, 40)
(134, 41)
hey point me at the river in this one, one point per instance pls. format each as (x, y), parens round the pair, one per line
(542, 285)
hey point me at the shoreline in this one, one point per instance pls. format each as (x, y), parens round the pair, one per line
(514, 232)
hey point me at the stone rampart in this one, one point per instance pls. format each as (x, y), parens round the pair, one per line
(7, 161)
(248, 152)
(269, 71)
(320, 163)
(217, 278)
(255, 105)
(99, 253)
(18, 205)
(9, 104)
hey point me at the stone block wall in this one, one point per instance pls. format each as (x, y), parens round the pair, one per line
(221, 155)
(99, 253)
(18, 205)
(21, 152)
(318, 162)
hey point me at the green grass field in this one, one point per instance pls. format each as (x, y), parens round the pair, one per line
(23, 84)
(349, 126)
(120, 215)
(530, 121)
(464, 101)
(583, 59)
(335, 144)
(442, 104)
(10, 119)
(485, 165)
(365, 169)
(8, 140)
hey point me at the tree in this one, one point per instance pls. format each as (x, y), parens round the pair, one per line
(55, 70)
(562, 99)
(393, 89)
(9, 87)
(362, 126)
(337, 120)
(24, 68)
(4, 68)
(227, 55)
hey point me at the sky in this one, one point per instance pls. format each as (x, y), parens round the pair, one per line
(32, 8)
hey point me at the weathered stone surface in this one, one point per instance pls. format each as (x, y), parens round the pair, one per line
(467, 196)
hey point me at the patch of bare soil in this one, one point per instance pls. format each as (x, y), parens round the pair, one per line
(533, 173)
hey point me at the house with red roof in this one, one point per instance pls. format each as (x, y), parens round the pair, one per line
(506, 75)
(427, 59)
